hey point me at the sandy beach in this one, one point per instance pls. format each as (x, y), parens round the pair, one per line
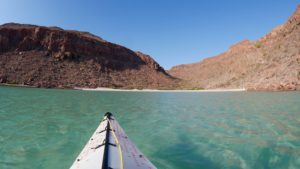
(156, 90)
(132, 90)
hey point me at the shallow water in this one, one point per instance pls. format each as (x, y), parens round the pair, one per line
(42, 128)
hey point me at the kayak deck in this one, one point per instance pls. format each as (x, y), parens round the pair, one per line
(110, 148)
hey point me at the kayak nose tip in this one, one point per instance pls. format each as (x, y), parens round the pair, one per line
(108, 114)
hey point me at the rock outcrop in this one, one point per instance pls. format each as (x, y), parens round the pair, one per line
(270, 63)
(52, 57)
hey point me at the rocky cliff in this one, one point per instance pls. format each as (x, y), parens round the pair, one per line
(52, 57)
(270, 63)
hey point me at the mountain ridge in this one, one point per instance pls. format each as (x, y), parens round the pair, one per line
(52, 57)
(270, 63)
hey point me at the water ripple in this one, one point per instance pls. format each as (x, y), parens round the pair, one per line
(43, 128)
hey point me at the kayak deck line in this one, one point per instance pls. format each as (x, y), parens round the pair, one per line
(110, 148)
(108, 114)
(106, 142)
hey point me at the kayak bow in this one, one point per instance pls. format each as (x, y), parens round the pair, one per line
(110, 148)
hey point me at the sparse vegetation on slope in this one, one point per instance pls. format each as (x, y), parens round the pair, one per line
(270, 63)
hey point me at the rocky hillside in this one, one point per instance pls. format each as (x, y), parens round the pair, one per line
(52, 57)
(270, 63)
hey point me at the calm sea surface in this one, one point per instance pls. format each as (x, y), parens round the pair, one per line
(47, 128)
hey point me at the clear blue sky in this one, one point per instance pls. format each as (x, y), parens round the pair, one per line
(171, 31)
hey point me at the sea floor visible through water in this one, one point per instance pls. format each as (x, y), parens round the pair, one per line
(47, 128)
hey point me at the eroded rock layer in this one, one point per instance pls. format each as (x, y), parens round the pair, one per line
(52, 57)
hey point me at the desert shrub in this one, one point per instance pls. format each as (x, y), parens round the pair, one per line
(198, 88)
(257, 45)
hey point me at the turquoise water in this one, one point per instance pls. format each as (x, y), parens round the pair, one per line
(47, 128)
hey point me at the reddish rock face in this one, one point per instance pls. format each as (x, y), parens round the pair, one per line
(270, 63)
(53, 57)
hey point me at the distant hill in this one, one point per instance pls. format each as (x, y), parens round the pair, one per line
(56, 58)
(270, 63)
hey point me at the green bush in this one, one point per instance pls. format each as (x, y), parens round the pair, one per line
(258, 45)
(197, 88)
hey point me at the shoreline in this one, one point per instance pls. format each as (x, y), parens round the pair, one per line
(128, 90)
(148, 90)
(157, 90)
